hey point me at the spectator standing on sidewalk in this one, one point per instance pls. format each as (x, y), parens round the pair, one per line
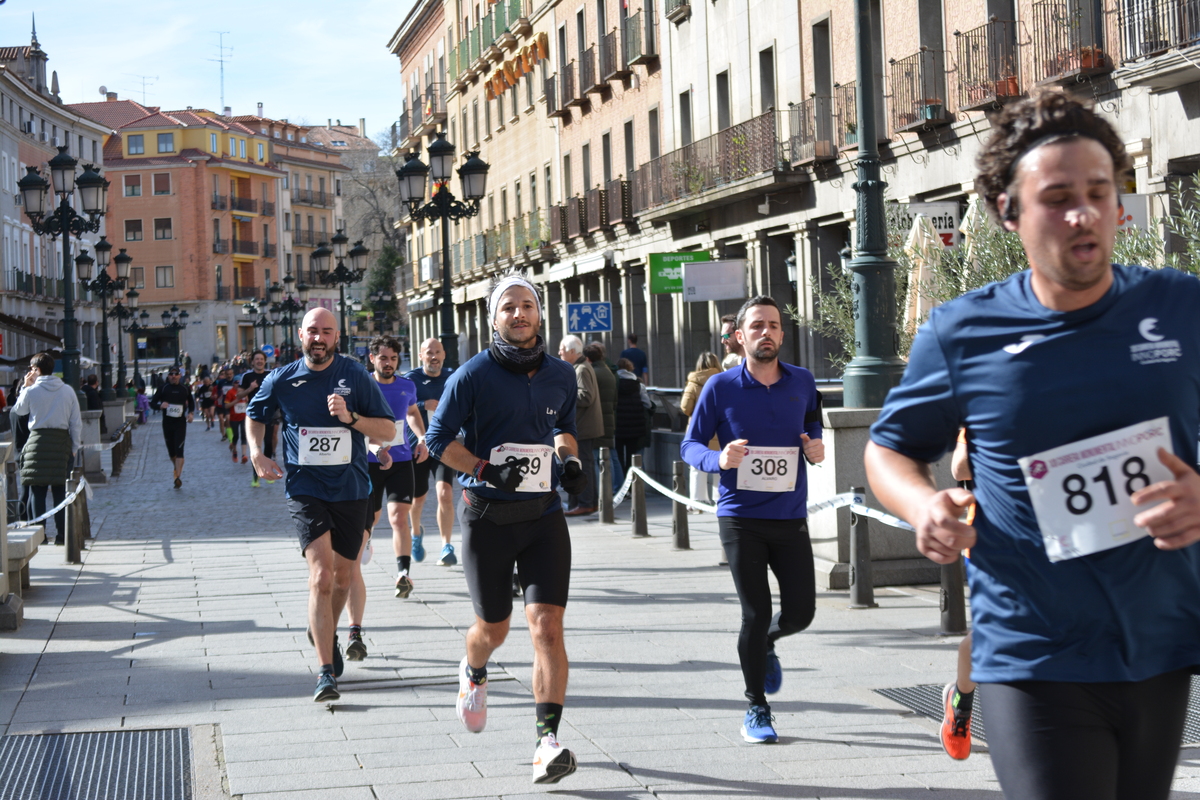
(589, 421)
(700, 483)
(632, 412)
(55, 436)
(637, 357)
(606, 382)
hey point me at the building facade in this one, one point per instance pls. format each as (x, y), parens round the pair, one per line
(33, 125)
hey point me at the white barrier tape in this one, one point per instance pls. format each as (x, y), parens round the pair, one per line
(82, 487)
(887, 519)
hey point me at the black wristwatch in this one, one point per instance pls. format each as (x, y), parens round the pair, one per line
(354, 418)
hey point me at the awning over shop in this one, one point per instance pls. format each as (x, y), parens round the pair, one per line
(14, 325)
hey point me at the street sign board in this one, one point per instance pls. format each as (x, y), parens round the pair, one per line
(666, 270)
(714, 280)
(589, 317)
(268, 350)
(945, 218)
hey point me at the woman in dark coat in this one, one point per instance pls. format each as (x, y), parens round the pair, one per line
(633, 414)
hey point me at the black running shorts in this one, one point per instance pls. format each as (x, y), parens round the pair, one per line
(540, 549)
(343, 520)
(428, 467)
(396, 482)
(174, 433)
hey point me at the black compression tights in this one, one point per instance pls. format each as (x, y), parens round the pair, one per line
(1101, 741)
(752, 546)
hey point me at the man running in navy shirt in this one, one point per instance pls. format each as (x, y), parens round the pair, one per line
(430, 381)
(766, 416)
(514, 404)
(330, 407)
(1079, 381)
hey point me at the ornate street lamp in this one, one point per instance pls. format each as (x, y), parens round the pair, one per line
(443, 206)
(64, 221)
(105, 287)
(121, 313)
(141, 322)
(341, 275)
(175, 320)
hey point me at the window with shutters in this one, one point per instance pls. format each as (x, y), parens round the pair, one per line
(162, 183)
(133, 230)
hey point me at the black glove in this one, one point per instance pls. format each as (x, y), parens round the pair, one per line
(573, 480)
(506, 476)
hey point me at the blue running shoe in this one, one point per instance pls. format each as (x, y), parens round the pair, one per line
(327, 690)
(447, 559)
(774, 673)
(757, 728)
(418, 549)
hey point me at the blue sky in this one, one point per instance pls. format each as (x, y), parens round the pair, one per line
(306, 61)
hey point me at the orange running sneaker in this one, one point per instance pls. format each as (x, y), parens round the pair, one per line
(956, 730)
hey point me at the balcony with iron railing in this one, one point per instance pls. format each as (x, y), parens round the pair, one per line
(811, 131)
(221, 246)
(245, 247)
(474, 37)
(558, 225)
(568, 86)
(678, 10)
(1068, 41)
(845, 115)
(433, 107)
(745, 150)
(612, 61)
(247, 204)
(554, 108)
(589, 77)
(304, 238)
(1151, 27)
(640, 39)
(269, 250)
(617, 202)
(595, 210)
(268, 209)
(218, 202)
(918, 88)
(576, 217)
(518, 18)
(452, 69)
(310, 197)
(988, 65)
(245, 292)
(487, 41)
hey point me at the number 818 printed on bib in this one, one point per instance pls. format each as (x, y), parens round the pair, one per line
(1081, 491)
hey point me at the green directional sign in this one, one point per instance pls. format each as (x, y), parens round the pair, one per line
(666, 270)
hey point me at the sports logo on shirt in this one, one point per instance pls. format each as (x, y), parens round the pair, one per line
(1157, 349)
(1025, 343)
(341, 388)
(298, 383)
(551, 411)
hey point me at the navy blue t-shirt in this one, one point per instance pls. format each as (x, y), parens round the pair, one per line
(637, 357)
(428, 388)
(302, 395)
(491, 406)
(1024, 379)
(733, 405)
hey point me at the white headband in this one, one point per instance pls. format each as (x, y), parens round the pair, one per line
(504, 285)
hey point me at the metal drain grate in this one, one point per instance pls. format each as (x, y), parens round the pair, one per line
(110, 765)
(926, 700)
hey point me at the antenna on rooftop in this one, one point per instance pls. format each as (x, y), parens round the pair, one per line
(224, 54)
(144, 78)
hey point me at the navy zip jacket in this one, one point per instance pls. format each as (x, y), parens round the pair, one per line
(491, 406)
(733, 405)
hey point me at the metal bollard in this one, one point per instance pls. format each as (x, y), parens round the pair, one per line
(606, 493)
(73, 537)
(637, 511)
(862, 587)
(679, 512)
(953, 602)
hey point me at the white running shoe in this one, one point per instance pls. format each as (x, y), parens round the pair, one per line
(551, 761)
(404, 586)
(472, 701)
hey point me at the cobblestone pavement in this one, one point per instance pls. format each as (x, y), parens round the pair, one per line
(190, 611)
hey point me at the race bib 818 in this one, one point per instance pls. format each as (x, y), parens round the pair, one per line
(1080, 491)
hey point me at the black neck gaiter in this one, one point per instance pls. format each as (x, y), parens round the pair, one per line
(516, 359)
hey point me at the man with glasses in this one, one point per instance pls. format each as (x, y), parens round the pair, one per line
(173, 399)
(734, 352)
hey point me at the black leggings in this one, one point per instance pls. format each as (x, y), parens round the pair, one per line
(752, 545)
(1102, 741)
(174, 433)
